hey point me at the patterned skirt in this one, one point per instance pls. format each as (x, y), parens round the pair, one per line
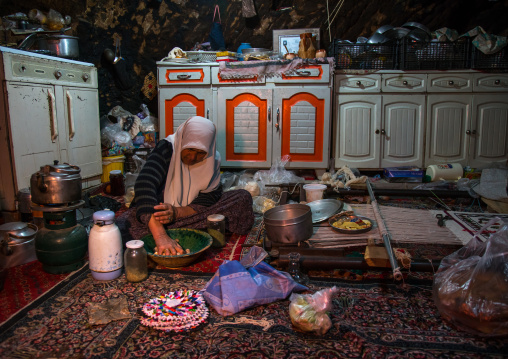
(235, 205)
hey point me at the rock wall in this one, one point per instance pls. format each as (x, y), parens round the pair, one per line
(147, 30)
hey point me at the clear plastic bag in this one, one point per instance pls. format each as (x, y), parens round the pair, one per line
(148, 122)
(308, 312)
(277, 174)
(471, 285)
(129, 123)
(113, 134)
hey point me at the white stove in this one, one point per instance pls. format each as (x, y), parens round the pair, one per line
(49, 110)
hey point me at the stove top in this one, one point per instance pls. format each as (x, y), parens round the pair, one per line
(40, 54)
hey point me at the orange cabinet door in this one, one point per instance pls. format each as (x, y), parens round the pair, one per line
(302, 120)
(244, 122)
(177, 105)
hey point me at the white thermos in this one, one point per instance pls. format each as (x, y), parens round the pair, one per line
(105, 249)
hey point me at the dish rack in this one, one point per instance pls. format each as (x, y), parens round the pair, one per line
(365, 56)
(202, 56)
(435, 55)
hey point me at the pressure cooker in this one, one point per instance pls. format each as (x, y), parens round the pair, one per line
(56, 184)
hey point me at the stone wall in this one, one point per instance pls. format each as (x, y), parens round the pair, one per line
(148, 30)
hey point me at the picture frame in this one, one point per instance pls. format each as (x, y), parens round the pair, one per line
(291, 38)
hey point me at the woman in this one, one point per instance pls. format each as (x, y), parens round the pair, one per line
(179, 186)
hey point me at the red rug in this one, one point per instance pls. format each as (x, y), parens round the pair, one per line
(23, 284)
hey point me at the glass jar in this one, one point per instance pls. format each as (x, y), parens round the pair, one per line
(117, 183)
(294, 269)
(135, 261)
(216, 225)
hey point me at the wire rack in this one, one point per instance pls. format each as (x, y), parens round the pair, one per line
(202, 56)
(365, 56)
(435, 55)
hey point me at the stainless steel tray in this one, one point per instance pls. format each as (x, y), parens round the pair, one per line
(324, 208)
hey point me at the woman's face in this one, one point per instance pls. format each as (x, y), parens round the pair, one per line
(191, 156)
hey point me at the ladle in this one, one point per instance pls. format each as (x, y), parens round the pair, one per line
(118, 52)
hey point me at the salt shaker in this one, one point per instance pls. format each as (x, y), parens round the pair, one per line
(135, 261)
(216, 225)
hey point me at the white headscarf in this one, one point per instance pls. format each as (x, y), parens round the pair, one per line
(184, 182)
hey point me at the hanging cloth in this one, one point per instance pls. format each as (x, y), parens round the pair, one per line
(216, 37)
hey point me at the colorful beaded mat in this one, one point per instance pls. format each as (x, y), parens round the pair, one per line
(176, 311)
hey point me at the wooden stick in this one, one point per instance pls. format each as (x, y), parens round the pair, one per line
(386, 236)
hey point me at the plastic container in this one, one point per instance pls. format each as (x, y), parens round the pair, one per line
(135, 261)
(244, 45)
(105, 248)
(109, 164)
(447, 172)
(117, 181)
(216, 227)
(314, 191)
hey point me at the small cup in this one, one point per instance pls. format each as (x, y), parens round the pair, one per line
(320, 53)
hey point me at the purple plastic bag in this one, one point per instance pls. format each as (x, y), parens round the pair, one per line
(240, 285)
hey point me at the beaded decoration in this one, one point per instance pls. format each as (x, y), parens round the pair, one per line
(176, 311)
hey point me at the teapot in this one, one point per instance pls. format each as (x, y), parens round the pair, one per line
(306, 50)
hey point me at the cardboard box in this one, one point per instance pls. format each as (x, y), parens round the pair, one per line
(403, 174)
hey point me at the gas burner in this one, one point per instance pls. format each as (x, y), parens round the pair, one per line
(57, 207)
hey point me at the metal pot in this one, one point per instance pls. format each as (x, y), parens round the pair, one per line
(57, 44)
(56, 184)
(289, 223)
(17, 243)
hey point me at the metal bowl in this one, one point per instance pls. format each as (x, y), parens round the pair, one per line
(350, 231)
(415, 25)
(396, 33)
(251, 50)
(384, 29)
(196, 241)
(378, 38)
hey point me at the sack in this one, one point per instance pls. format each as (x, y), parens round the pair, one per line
(216, 36)
(471, 285)
(240, 285)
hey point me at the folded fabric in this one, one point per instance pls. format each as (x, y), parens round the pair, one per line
(486, 43)
(236, 286)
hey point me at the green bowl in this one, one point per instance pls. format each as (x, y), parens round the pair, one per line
(196, 241)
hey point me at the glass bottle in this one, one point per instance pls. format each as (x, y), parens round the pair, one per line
(135, 261)
(294, 269)
(117, 183)
(216, 226)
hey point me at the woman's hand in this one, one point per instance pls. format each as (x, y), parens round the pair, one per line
(165, 245)
(165, 213)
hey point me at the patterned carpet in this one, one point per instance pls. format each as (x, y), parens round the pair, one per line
(371, 319)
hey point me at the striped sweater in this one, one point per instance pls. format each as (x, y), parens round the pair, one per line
(149, 187)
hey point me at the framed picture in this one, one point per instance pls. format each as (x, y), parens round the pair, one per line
(290, 39)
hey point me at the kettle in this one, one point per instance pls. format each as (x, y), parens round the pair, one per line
(105, 248)
(56, 184)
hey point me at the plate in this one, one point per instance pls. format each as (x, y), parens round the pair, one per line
(350, 231)
(324, 208)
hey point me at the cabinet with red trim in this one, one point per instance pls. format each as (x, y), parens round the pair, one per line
(258, 119)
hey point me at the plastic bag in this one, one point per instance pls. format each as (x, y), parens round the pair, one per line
(261, 204)
(237, 286)
(129, 123)
(471, 285)
(148, 122)
(113, 134)
(308, 312)
(55, 20)
(277, 174)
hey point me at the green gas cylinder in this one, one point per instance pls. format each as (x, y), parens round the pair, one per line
(62, 244)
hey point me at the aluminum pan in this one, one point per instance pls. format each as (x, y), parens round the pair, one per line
(324, 208)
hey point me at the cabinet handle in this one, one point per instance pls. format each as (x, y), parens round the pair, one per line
(303, 73)
(473, 132)
(383, 132)
(183, 77)
(450, 83)
(52, 116)
(72, 131)
(269, 113)
(497, 82)
(208, 113)
(277, 125)
(405, 83)
(377, 132)
(468, 132)
(358, 83)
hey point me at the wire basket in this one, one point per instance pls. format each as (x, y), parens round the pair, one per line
(497, 61)
(435, 55)
(365, 56)
(202, 56)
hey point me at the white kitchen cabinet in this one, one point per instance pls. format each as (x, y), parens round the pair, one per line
(397, 118)
(50, 112)
(375, 129)
(258, 119)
